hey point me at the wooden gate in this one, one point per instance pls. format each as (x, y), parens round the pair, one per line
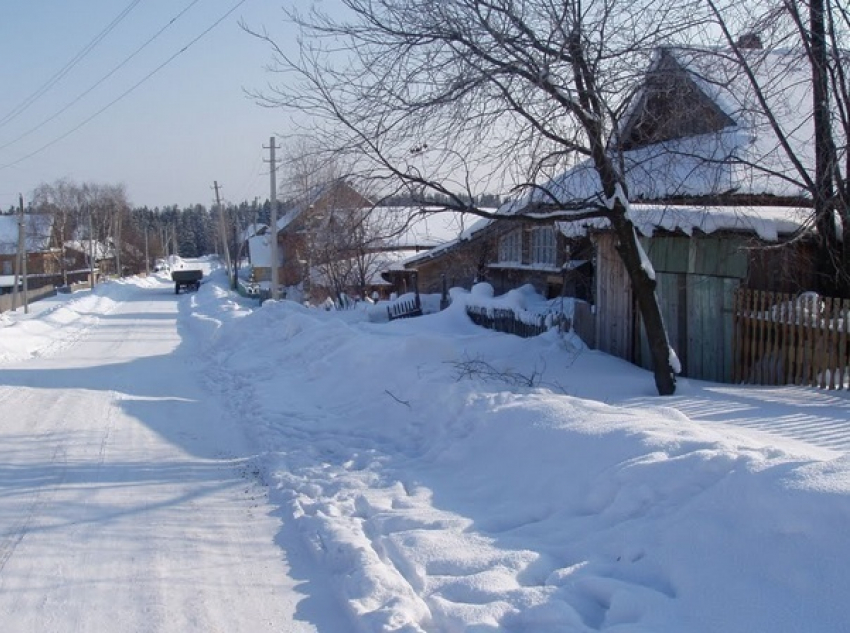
(780, 339)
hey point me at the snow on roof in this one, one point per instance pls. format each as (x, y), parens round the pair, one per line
(259, 250)
(785, 80)
(473, 229)
(101, 250)
(422, 227)
(720, 162)
(769, 223)
(252, 230)
(38, 229)
(312, 197)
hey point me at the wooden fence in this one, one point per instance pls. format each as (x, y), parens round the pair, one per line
(504, 320)
(780, 339)
(404, 309)
(7, 300)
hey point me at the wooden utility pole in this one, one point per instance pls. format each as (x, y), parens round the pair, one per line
(147, 256)
(274, 261)
(222, 227)
(21, 260)
(91, 250)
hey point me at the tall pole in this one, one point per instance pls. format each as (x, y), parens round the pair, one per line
(20, 260)
(147, 257)
(222, 227)
(273, 262)
(91, 250)
(24, 256)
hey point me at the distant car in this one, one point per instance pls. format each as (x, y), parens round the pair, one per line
(188, 279)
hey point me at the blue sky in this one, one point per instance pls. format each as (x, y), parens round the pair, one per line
(168, 140)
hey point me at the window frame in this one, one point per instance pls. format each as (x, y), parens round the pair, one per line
(510, 247)
(544, 250)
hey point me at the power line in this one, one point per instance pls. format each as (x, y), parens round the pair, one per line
(102, 79)
(67, 67)
(126, 92)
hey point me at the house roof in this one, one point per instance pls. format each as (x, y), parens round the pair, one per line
(419, 227)
(707, 164)
(718, 162)
(101, 249)
(474, 228)
(252, 230)
(37, 234)
(768, 223)
(313, 197)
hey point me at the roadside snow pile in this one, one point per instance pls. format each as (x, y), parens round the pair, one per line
(448, 480)
(56, 323)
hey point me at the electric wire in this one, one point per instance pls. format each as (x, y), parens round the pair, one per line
(102, 79)
(21, 107)
(126, 92)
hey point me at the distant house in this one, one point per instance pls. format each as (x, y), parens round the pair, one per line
(44, 256)
(708, 180)
(508, 253)
(422, 230)
(83, 251)
(711, 187)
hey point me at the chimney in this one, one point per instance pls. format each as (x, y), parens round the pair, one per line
(749, 40)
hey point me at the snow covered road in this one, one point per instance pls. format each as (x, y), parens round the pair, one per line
(129, 502)
(196, 463)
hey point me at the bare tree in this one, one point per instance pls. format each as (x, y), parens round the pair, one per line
(448, 96)
(63, 201)
(813, 34)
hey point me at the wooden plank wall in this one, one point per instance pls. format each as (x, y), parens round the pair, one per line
(781, 339)
(696, 279)
(614, 313)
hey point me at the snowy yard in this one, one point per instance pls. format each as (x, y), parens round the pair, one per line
(197, 463)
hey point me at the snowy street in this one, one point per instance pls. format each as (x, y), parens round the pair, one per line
(128, 502)
(197, 463)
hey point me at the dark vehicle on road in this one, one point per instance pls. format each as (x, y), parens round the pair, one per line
(187, 279)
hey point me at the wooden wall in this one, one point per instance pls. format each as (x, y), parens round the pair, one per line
(696, 279)
(614, 304)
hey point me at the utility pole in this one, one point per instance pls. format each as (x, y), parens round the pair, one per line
(147, 257)
(273, 262)
(21, 260)
(222, 226)
(91, 250)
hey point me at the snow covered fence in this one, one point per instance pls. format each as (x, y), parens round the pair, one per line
(404, 309)
(780, 339)
(510, 322)
(7, 301)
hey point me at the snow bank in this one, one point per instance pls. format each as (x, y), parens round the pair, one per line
(442, 492)
(444, 500)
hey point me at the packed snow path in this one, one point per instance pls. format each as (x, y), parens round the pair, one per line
(128, 501)
(414, 484)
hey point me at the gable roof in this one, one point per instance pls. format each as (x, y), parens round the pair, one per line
(695, 131)
(726, 145)
(768, 223)
(102, 250)
(39, 227)
(334, 190)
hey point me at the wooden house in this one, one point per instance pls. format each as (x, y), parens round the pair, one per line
(47, 262)
(711, 187)
(700, 256)
(508, 253)
(297, 222)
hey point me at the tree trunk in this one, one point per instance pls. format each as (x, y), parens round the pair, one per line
(825, 154)
(643, 286)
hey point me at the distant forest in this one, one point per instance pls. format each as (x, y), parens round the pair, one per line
(195, 230)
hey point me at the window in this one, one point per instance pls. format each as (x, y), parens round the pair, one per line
(543, 245)
(510, 247)
(7, 268)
